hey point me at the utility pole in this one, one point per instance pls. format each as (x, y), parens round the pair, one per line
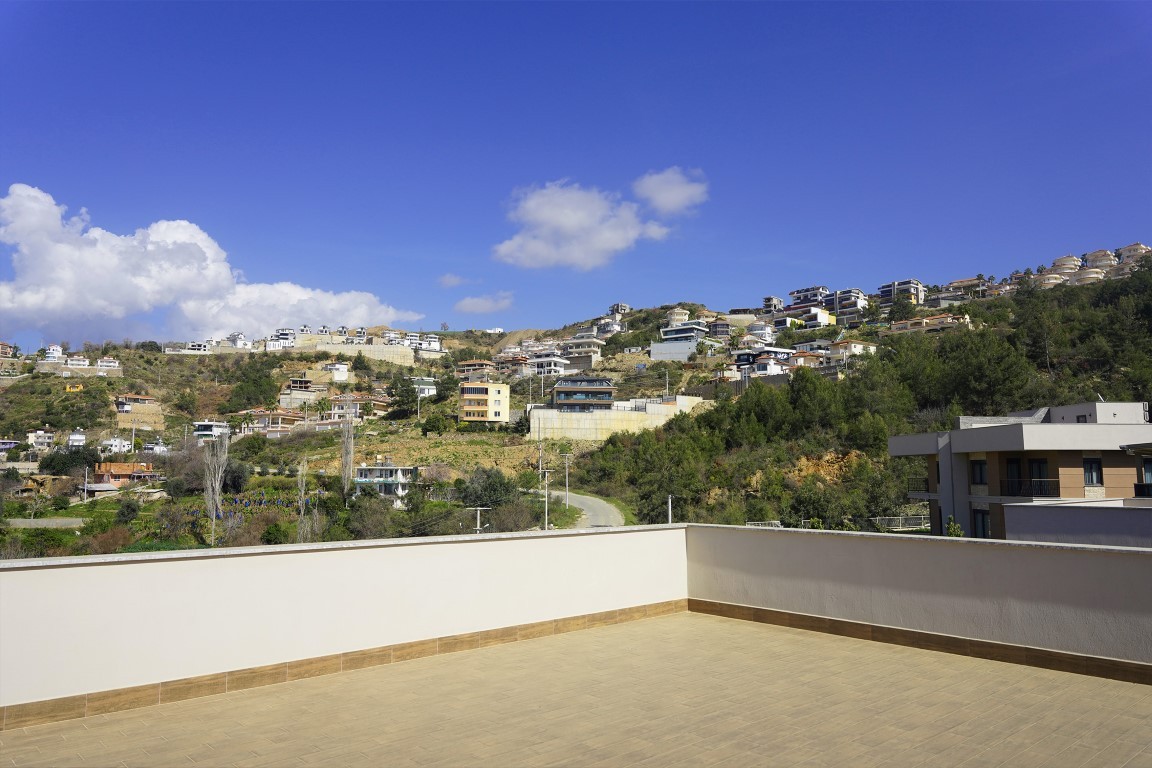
(547, 474)
(478, 509)
(566, 457)
(540, 461)
(665, 382)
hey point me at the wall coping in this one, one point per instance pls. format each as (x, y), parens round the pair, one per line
(327, 546)
(339, 546)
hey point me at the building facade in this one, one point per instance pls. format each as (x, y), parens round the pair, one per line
(486, 402)
(1072, 452)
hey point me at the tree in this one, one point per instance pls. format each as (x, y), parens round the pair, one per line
(149, 346)
(128, 511)
(62, 462)
(403, 394)
(436, 422)
(215, 464)
(360, 364)
(487, 487)
(902, 308)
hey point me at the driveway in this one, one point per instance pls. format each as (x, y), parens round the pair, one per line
(597, 513)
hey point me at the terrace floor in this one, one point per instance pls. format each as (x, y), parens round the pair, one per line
(686, 689)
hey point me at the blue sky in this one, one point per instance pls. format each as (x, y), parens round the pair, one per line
(337, 160)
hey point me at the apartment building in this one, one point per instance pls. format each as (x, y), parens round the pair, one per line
(1071, 452)
(772, 304)
(270, 422)
(41, 440)
(387, 480)
(487, 402)
(583, 394)
(932, 324)
(809, 297)
(209, 430)
(548, 364)
(284, 337)
(582, 351)
(475, 370)
(912, 288)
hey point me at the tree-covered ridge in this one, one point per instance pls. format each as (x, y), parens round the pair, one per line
(817, 448)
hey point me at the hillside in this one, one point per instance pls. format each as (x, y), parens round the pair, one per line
(817, 448)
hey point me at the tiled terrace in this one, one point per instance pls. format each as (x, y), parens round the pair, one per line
(686, 689)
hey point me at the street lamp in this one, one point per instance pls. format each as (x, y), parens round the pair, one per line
(478, 510)
(669, 509)
(566, 457)
(547, 474)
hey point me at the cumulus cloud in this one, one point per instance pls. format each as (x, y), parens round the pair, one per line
(449, 280)
(485, 304)
(70, 278)
(564, 224)
(671, 192)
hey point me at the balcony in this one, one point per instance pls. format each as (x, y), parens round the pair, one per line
(761, 646)
(1033, 488)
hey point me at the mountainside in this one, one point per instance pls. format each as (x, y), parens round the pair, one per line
(816, 449)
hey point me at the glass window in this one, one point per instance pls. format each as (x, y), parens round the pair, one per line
(981, 524)
(1093, 473)
(979, 471)
(1038, 469)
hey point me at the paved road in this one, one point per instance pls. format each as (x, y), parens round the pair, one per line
(597, 513)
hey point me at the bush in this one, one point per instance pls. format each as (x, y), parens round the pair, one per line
(275, 534)
(128, 511)
(60, 503)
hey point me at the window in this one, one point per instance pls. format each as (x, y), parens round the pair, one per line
(496, 414)
(1093, 473)
(1081, 419)
(981, 524)
(978, 469)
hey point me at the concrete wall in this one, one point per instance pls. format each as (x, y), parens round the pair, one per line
(1087, 600)
(1106, 524)
(79, 625)
(392, 353)
(548, 424)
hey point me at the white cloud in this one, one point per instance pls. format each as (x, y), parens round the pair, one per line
(671, 192)
(449, 280)
(485, 304)
(71, 279)
(565, 224)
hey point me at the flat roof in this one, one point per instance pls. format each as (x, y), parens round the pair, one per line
(688, 688)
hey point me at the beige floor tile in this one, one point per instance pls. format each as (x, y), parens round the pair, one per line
(679, 690)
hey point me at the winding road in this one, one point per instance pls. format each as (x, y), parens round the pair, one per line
(597, 513)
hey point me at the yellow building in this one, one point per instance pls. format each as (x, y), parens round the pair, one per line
(487, 402)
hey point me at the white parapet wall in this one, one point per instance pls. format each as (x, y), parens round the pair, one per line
(1077, 599)
(78, 625)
